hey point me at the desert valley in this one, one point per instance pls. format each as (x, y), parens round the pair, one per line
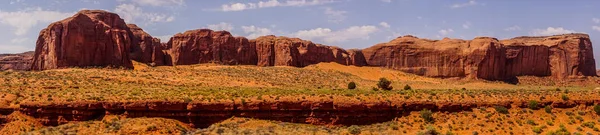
(92, 73)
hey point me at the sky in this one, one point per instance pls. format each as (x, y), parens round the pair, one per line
(343, 23)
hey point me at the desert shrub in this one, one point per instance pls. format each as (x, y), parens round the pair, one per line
(427, 115)
(429, 131)
(352, 85)
(565, 97)
(450, 133)
(597, 109)
(407, 87)
(531, 122)
(384, 84)
(375, 89)
(355, 130)
(533, 104)
(561, 131)
(501, 109)
(548, 109)
(588, 124)
(538, 129)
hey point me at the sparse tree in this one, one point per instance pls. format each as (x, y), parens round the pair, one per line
(352, 85)
(384, 84)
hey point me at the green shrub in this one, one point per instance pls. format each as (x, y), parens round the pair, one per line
(352, 85)
(548, 109)
(407, 87)
(565, 97)
(533, 104)
(538, 129)
(375, 89)
(384, 84)
(427, 115)
(501, 109)
(429, 131)
(355, 130)
(597, 109)
(561, 131)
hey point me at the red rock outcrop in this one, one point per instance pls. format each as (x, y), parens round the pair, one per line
(99, 38)
(88, 38)
(479, 58)
(204, 46)
(560, 56)
(21, 61)
(284, 51)
(145, 48)
(319, 111)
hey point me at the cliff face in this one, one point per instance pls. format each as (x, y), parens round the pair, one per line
(145, 48)
(88, 38)
(21, 61)
(99, 38)
(560, 56)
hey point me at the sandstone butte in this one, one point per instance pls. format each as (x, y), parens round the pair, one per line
(100, 38)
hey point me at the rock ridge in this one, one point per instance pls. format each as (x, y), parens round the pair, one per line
(100, 38)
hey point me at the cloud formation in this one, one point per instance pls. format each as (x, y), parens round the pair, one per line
(133, 14)
(221, 26)
(329, 36)
(254, 32)
(25, 19)
(550, 31)
(272, 3)
(461, 5)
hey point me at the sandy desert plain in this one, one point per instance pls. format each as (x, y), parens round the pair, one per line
(93, 74)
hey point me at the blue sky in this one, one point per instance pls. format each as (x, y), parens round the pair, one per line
(343, 23)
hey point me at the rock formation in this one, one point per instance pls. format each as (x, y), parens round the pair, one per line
(99, 38)
(284, 51)
(21, 61)
(204, 45)
(88, 38)
(560, 56)
(145, 48)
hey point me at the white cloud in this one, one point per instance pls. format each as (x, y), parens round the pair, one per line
(388, 1)
(384, 24)
(24, 20)
(159, 2)
(272, 3)
(335, 16)
(461, 5)
(221, 26)
(550, 31)
(597, 28)
(254, 32)
(132, 14)
(596, 20)
(466, 25)
(445, 32)
(329, 36)
(512, 28)
(164, 38)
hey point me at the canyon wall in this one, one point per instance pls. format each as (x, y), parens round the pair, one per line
(21, 61)
(99, 38)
